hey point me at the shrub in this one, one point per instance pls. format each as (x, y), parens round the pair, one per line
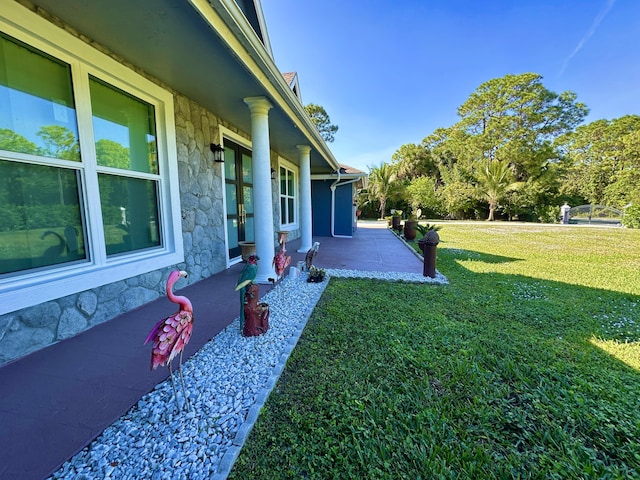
(631, 217)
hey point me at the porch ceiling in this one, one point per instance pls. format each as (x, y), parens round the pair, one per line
(171, 41)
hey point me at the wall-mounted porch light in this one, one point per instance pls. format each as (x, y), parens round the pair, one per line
(218, 152)
(273, 174)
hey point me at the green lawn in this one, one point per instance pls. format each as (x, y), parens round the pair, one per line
(527, 365)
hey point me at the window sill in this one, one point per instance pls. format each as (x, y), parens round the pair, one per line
(32, 289)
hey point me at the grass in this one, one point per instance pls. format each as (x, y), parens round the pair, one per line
(526, 366)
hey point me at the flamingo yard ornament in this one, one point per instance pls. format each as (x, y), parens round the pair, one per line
(281, 260)
(171, 334)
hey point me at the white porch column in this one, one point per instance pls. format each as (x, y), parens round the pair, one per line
(262, 199)
(305, 198)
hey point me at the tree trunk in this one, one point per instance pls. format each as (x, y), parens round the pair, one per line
(492, 209)
(383, 205)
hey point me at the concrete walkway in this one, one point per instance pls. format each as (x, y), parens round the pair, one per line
(55, 401)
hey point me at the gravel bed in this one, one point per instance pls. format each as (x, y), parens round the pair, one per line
(391, 276)
(228, 380)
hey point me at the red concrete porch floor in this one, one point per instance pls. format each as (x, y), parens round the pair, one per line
(55, 401)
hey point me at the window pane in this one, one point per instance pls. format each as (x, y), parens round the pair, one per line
(37, 114)
(232, 228)
(229, 163)
(247, 193)
(283, 181)
(232, 199)
(40, 219)
(124, 129)
(129, 213)
(290, 189)
(247, 170)
(283, 210)
(291, 210)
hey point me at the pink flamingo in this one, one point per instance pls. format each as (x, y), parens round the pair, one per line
(171, 334)
(281, 259)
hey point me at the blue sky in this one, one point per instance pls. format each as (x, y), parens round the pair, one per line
(389, 72)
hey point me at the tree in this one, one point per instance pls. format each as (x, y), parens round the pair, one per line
(14, 142)
(383, 185)
(112, 154)
(453, 153)
(515, 118)
(603, 161)
(422, 193)
(414, 161)
(322, 121)
(60, 142)
(495, 180)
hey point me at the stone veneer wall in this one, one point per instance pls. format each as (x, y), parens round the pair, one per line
(201, 197)
(32, 328)
(202, 213)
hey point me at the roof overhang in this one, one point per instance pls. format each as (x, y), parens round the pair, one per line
(205, 50)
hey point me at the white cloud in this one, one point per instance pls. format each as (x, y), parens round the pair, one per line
(594, 26)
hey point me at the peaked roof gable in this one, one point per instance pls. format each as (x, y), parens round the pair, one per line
(292, 80)
(252, 10)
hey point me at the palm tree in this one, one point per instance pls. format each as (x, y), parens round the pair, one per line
(383, 185)
(495, 180)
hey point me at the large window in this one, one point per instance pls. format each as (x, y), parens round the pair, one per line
(85, 162)
(125, 140)
(288, 217)
(41, 222)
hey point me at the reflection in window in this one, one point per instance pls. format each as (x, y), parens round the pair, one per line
(247, 168)
(37, 115)
(40, 218)
(229, 163)
(77, 189)
(124, 129)
(129, 213)
(247, 194)
(232, 228)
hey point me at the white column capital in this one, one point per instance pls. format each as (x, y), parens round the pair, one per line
(304, 149)
(258, 105)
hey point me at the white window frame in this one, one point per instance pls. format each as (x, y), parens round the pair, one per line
(21, 290)
(282, 163)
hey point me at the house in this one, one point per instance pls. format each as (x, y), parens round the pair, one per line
(137, 137)
(334, 202)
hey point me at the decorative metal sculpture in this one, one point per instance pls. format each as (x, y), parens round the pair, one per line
(281, 260)
(170, 335)
(311, 255)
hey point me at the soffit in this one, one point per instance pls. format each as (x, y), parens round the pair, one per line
(173, 42)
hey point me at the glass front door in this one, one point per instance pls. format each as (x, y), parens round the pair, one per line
(238, 173)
